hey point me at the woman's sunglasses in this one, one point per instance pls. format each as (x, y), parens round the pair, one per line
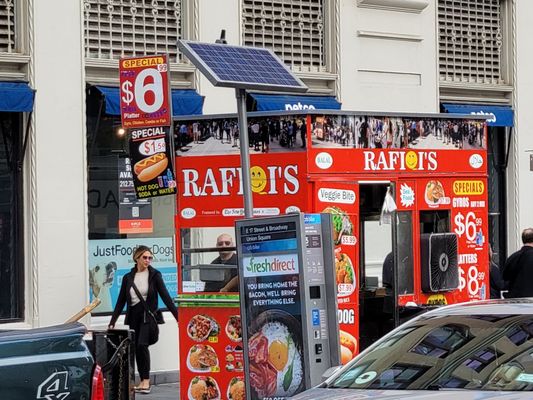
(149, 258)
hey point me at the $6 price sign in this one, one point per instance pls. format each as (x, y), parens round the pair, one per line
(137, 91)
(467, 225)
(144, 91)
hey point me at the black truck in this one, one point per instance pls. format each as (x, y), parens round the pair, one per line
(66, 362)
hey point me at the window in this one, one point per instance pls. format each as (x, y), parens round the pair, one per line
(118, 221)
(294, 30)
(7, 26)
(470, 41)
(11, 247)
(118, 28)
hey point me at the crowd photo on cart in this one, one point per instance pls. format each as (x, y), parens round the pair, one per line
(384, 132)
(264, 134)
(289, 133)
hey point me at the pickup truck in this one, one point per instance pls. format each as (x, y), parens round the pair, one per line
(65, 362)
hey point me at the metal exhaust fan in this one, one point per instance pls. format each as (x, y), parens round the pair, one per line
(439, 262)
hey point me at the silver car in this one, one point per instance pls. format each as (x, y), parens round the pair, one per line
(478, 350)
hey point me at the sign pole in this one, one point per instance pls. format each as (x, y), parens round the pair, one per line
(245, 152)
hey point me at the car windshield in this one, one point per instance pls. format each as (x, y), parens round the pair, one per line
(473, 352)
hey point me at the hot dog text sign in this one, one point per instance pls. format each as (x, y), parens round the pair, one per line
(152, 167)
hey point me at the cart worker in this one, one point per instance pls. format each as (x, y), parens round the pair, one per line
(518, 270)
(225, 257)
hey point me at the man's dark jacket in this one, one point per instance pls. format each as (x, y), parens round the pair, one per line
(518, 272)
(155, 286)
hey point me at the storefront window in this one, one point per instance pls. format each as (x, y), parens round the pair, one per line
(11, 255)
(209, 260)
(118, 221)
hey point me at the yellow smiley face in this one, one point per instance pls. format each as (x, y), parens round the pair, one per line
(411, 160)
(258, 179)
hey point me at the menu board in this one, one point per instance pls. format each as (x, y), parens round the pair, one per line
(212, 358)
(270, 266)
(151, 156)
(340, 200)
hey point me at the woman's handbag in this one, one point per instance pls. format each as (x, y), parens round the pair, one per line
(153, 327)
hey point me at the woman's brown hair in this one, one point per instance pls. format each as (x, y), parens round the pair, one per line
(139, 251)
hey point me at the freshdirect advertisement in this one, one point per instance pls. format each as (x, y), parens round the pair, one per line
(272, 309)
(111, 259)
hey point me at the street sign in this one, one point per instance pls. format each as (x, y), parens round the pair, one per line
(144, 92)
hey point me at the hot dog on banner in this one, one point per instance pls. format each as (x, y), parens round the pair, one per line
(150, 154)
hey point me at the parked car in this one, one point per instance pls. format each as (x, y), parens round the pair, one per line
(478, 350)
(66, 362)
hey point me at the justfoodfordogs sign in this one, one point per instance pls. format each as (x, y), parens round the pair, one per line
(146, 111)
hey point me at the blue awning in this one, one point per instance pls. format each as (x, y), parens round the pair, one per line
(496, 115)
(16, 97)
(184, 101)
(271, 102)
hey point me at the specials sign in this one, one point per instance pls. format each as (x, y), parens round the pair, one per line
(151, 158)
(144, 92)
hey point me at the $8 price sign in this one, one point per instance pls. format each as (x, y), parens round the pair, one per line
(144, 97)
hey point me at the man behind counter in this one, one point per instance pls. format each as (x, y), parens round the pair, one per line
(225, 257)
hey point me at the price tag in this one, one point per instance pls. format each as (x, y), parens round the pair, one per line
(348, 240)
(144, 92)
(149, 147)
(213, 339)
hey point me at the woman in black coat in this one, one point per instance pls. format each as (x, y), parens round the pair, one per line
(149, 283)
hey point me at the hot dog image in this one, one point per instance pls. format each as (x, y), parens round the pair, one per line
(150, 167)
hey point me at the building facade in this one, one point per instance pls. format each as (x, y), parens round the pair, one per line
(60, 159)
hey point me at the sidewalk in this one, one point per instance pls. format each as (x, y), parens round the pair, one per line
(164, 391)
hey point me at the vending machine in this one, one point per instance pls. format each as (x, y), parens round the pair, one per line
(288, 303)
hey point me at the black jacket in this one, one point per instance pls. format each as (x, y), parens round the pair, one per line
(518, 271)
(155, 286)
(497, 284)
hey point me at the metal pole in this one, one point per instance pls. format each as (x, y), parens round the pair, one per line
(245, 152)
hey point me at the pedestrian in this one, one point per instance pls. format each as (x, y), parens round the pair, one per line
(139, 290)
(518, 270)
(497, 284)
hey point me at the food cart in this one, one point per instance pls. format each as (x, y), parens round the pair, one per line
(407, 196)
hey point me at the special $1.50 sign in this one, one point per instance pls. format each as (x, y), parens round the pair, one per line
(144, 92)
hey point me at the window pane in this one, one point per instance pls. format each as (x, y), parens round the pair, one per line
(11, 263)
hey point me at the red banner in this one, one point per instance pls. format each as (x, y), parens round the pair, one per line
(210, 187)
(395, 161)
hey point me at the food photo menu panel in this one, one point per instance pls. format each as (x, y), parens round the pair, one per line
(213, 366)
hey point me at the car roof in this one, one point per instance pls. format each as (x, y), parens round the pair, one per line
(486, 307)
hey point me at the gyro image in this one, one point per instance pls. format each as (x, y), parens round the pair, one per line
(201, 327)
(342, 226)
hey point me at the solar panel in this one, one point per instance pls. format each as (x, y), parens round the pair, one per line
(241, 67)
